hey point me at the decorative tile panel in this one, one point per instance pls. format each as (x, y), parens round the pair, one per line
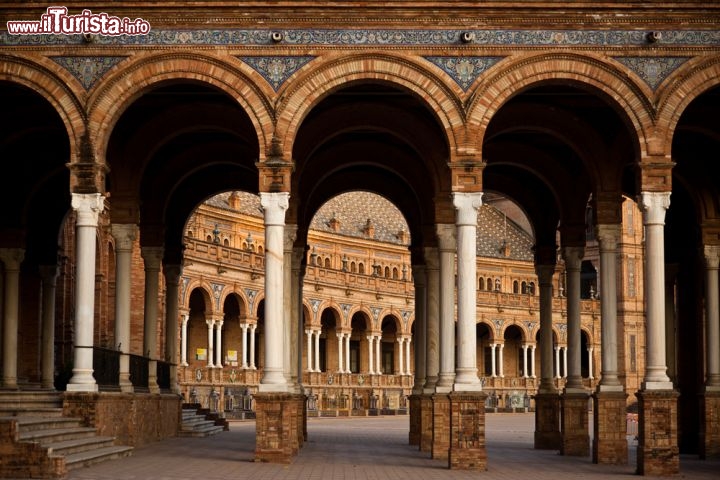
(87, 70)
(464, 70)
(652, 69)
(276, 69)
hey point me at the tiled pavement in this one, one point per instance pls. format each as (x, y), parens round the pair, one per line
(368, 448)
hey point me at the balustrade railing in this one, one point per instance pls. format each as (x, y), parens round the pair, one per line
(106, 368)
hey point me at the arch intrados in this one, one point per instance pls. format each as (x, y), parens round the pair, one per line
(204, 295)
(514, 328)
(394, 320)
(361, 316)
(334, 315)
(490, 329)
(108, 103)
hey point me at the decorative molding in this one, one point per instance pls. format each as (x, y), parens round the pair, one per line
(217, 289)
(345, 309)
(380, 37)
(276, 70)
(251, 294)
(315, 304)
(464, 70)
(653, 70)
(88, 70)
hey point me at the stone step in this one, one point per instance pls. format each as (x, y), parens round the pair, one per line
(201, 431)
(57, 434)
(90, 457)
(29, 424)
(33, 403)
(77, 445)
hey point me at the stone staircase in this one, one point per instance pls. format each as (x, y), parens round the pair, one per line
(199, 422)
(36, 441)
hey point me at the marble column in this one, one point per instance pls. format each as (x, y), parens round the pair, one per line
(420, 278)
(378, 358)
(608, 237)
(211, 342)
(401, 354)
(371, 341)
(532, 361)
(558, 365)
(297, 314)
(493, 366)
(184, 340)
(341, 356)
(218, 343)
(290, 318)
(525, 365)
(712, 317)
(310, 334)
(48, 274)
(501, 361)
(545, 274)
(274, 205)
(565, 361)
(408, 371)
(12, 258)
(446, 242)
(124, 235)
(253, 327)
(573, 257)
(347, 353)
(317, 350)
(152, 257)
(87, 207)
(172, 313)
(590, 363)
(466, 207)
(432, 337)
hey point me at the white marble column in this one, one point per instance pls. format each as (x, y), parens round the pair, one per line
(401, 360)
(290, 318)
(253, 327)
(420, 280)
(347, 353)
(545, 274)
(341, 356)
(525, 365)
(172, 313)
(493, 366)
(557, 362)
(501, 361)
(573, 257)
(712, 317)
(408, 371)
(244, 334)
(184, 340)
(274, 205)
(12, 258)
(124, 235)
(211, 342)
(532, 361)
(446, 243)
(152, 257)
(371, 342)
(48, 274)
(218, 343)
(297, 315)
(590, 363)
(608, 237)
(466, 207)
(310, 334)
(565, 361)
(87, 207)
(654, 205)
(378, 358)
(317, 350)
(432, 336)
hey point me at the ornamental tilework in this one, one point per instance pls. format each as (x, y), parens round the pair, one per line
(377, 37)
(87, 70)
(464, 70)
(652, 69)
(276, 69)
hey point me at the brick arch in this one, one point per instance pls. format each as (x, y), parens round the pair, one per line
(242, 300)
(116, 94)
(366, 312)
(54, 84)
(303, 94)
(522, 73)
(205, 290)
(524, 334)
(490, 327)
(588, 333)
(680, 90)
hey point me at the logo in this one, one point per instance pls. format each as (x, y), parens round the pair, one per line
(57, 21)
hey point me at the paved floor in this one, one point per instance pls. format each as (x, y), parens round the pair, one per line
(368, 448)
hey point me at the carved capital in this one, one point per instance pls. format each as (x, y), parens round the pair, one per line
(172, 273)
(289, 234)
(654, 205)
(12, 258)
(466, 207)
(712, 256)
(124, 235)
(432, 261)
(274, 205)
(152, 256)
(88, 207)
(446, 233)
(608, 235)
(573, 257)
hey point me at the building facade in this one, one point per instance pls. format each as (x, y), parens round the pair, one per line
(144, 111)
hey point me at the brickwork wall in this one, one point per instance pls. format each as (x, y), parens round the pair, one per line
(658, 452)
(25, 460)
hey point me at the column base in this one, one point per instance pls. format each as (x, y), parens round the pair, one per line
(610, 444)
(440, 427)
(415, 414)
(547, 421)
(426, 423)
(467, 431)
(574, 428)
(710, 425)
(278, 427)
(657, 451)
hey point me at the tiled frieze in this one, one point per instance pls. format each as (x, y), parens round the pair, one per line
(653, 70)
(276, 69)
(88, 70)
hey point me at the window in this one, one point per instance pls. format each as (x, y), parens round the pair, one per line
(387, 272)
(481, 284)
(361, 268)
(395, 273)
(353, 267)
(327, 263)
(516, 286)
(489, 284)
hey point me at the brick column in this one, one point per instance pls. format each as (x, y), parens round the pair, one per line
(547, 421)
(574, 424)
(467, 431)
(426, 422)
(278, 426)
(415, 422)
(710, 425)
(440, 447)
(658, 452)
(609, 445)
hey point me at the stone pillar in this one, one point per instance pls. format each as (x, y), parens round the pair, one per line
(124, 235)
(274, 205)
(347, 353)
(466, 206)
(493, 366)
(446, 240)
(218, 343)
(290, 320)
(211, 342)
(710, 402)
(525, 365)
(172, 312)
(87, 207)
(253, 327)
(608, 237)
(310, 334)
(341, 356)
(426, 422)
(152, 257)
(558, 365)
(590, 363)
(244, 328)
(408, 370)
(547, 400)
(432, 338)
(371, 346)
(573, 258)
(401, 362)
(378, 359)
(467, 431)
(317, 350)
(183, 340)
(277, 426)
(420, 277)
(532, 361)
(658, 452)
(501, 360)
(49, 274)
(12, 258)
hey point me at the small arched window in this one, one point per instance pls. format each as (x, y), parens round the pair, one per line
(489, 284)
(190, 234)
(209, 239)
(327, 262)
(516, 287)
(353, 267)
(361, 268)
(226, 242)
(395, 273)
(524, 288)
(387, 272)
(481, 284)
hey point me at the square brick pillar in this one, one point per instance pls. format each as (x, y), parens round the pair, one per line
(440, 426)
(302, 419)
(574, 427)
(276, 427)
(610, 444)
(710, 425)
(467, 431)
(657, 451)
(415, 413)
(547, 421)
(426, 423)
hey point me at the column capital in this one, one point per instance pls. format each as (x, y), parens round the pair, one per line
(172, 272)
(654, 205)
(88, 207)
(712, 256)
(573, 257)
(152, 256)
(419, 275)
(219, 323)
(185, 318)
(12, 258)
(48, 273)
(608, 235)
(210, 322)
(124, 235)
(446, 234)
(545, 274)
(466, 206)
(274, 205)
